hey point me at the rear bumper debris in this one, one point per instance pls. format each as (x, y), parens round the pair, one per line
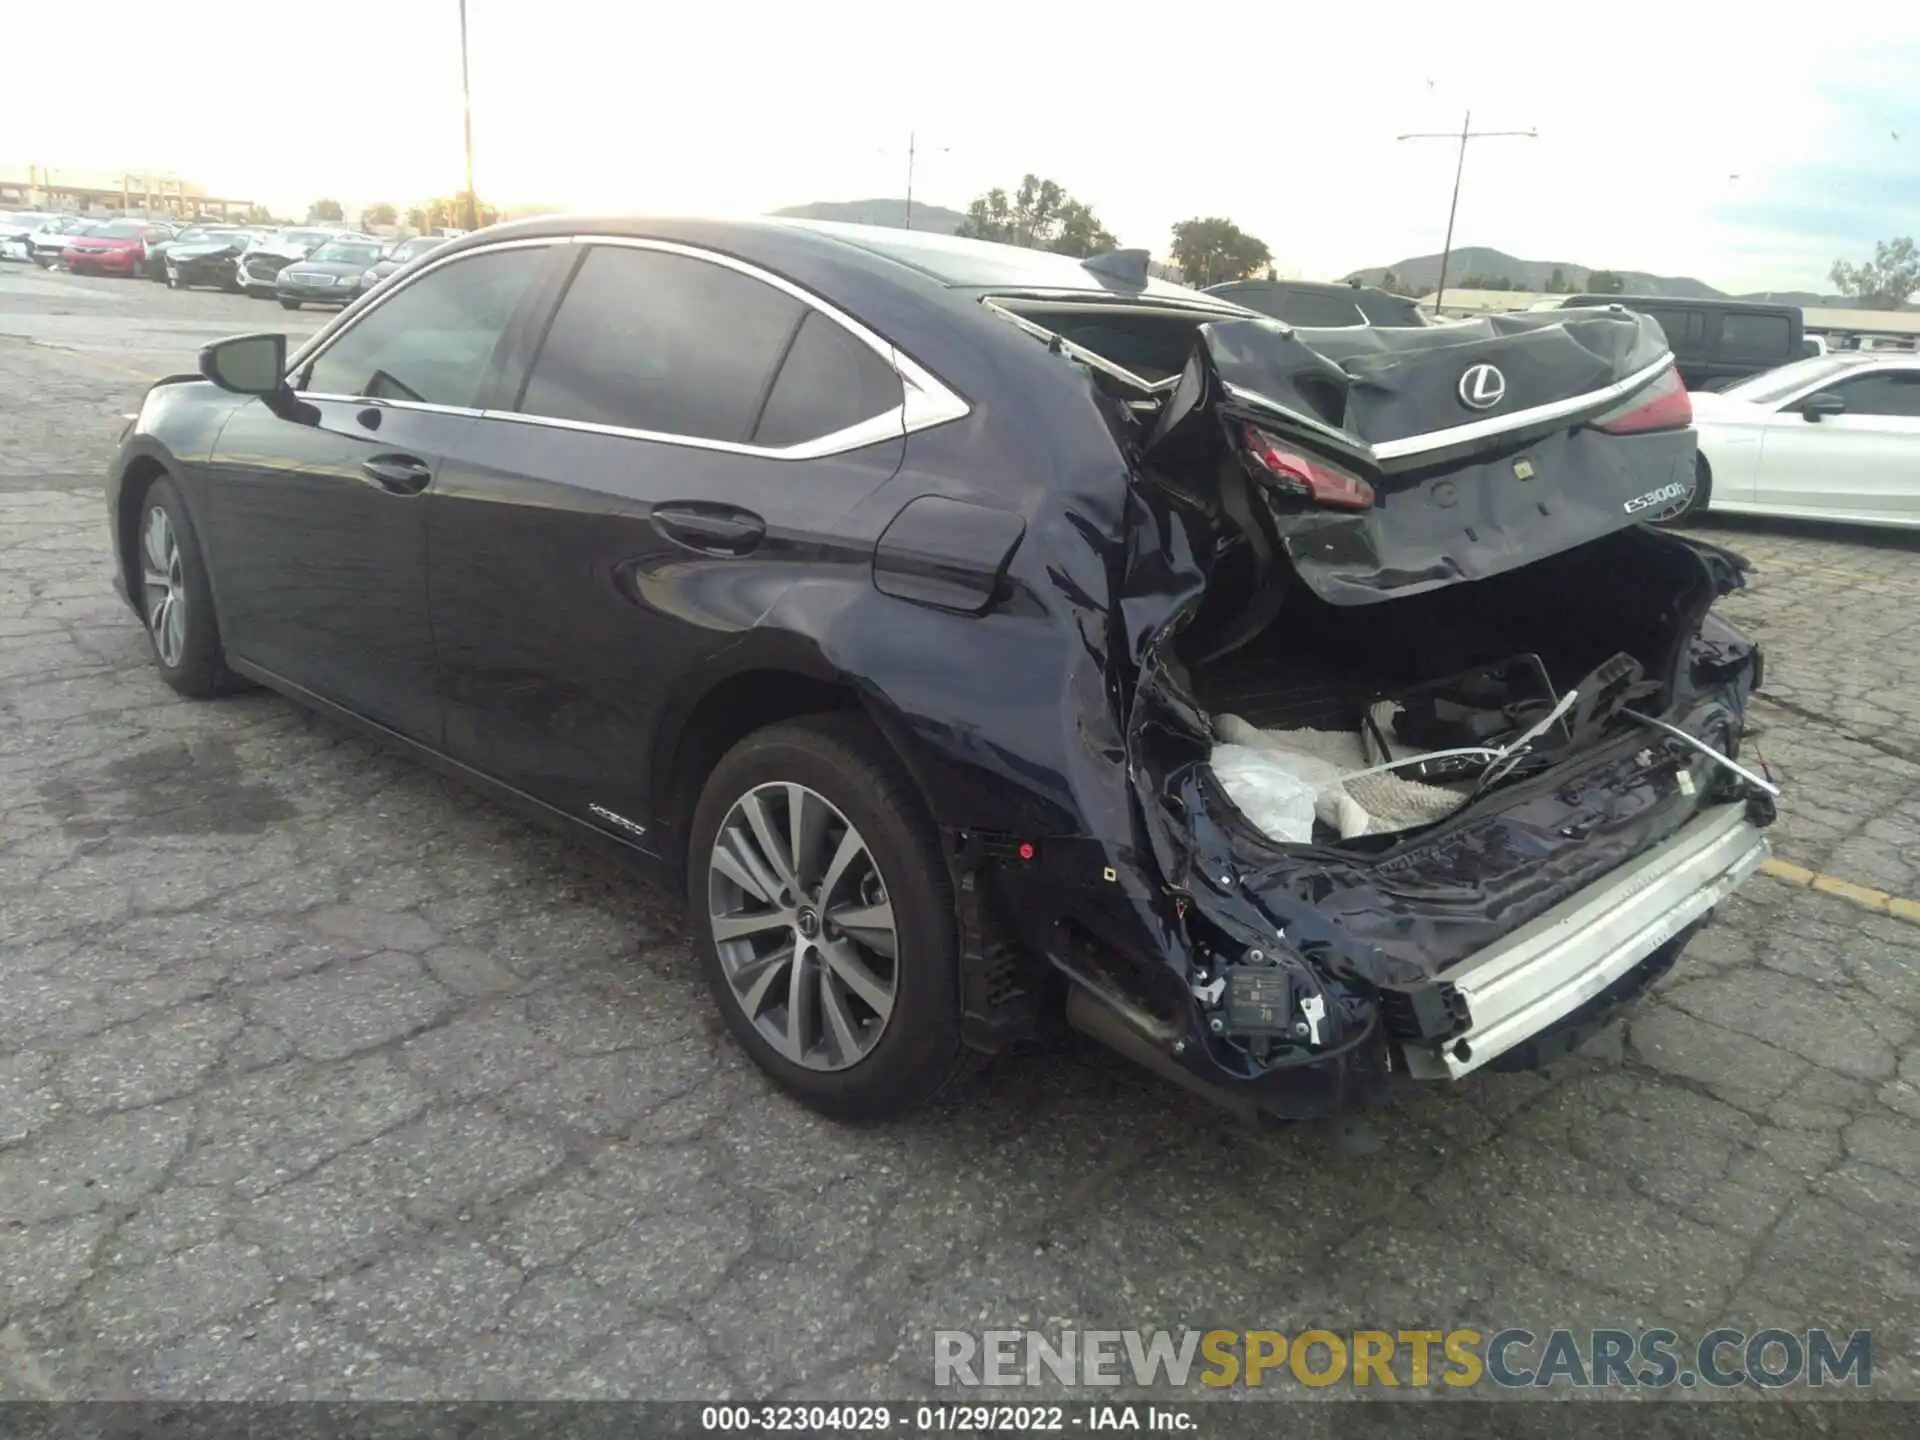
(1548, 968)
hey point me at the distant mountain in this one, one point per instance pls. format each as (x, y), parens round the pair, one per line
(936, 218)
(1422, 273)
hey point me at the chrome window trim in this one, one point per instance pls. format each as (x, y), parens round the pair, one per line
(925, 400)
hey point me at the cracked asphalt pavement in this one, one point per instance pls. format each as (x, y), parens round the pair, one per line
(320, 1076)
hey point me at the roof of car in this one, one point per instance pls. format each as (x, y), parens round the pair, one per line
(1674, 301)
(948, 260)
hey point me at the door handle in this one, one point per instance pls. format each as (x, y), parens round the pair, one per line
(398, 474)
(709, 528)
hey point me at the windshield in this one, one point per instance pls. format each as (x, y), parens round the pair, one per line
(305, 237)
(342, 253)
(1778, 384)
(115, 230)
(416, 247)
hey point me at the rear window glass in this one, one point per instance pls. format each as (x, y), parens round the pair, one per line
(1759, 337)
(1300, 307)
(830, 381)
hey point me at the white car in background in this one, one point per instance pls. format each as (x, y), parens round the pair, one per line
(1833, 437)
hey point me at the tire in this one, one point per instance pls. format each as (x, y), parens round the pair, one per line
(905, 1059)
(289, 304)
(1697, 502)
(186, 644)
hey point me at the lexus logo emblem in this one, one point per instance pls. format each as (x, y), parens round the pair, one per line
(1482, 387)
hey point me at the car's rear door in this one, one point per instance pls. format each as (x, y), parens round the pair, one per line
(690, 434)
(315, 515)
(1862, 464)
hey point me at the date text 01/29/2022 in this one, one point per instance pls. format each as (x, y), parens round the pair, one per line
(966, 1419)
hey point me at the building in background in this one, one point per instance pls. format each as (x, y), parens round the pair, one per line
(46, 187)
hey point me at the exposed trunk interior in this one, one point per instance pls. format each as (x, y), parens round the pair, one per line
(1471, 665)
(1635, 592)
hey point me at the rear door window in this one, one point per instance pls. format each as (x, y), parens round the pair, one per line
(1755, 337)
(665, 343)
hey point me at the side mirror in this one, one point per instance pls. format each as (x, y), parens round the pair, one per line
(1823, 403)
(247, 364)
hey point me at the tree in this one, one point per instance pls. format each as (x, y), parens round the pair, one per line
(259, 215)
(1390, 282)
(326, 210)
(1557, 282)
(1041, 215)
(1605, 282)
(1884, 282)
(1212, 250)
(381, 214)
(1486, 282)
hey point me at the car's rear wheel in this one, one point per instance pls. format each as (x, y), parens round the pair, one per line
(1694, 503)
(824, 919)
(175, 598)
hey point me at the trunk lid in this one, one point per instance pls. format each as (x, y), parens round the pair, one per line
(1477, 442)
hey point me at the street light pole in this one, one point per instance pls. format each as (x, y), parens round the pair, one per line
(910, 140)
(1467, 132)
(466, 106)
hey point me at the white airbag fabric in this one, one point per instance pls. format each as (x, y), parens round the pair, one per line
(1283, 780)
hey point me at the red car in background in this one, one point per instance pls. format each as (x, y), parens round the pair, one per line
(113, 247)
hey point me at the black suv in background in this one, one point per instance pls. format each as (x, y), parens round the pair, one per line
(1310, 305)
(1715, 342)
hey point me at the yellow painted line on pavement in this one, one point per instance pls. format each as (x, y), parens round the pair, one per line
(1865, 896)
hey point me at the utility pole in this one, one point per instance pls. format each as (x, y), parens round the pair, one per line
(1467, 132)
(913, 151)
(466, 106)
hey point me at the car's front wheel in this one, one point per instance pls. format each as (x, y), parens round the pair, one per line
(175, 598)
(823, 917)
(289, 304)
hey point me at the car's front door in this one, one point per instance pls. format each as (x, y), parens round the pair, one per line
(691, 435)
(315, 520)
(1861, 463)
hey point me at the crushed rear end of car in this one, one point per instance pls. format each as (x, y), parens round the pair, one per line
(1434, 750)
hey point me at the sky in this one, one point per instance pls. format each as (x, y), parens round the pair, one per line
(1673, 138)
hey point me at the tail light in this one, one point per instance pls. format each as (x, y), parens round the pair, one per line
(1307, 476)
(1663, 405)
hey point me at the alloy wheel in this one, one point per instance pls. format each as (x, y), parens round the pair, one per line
(804, 926)
(166, 590)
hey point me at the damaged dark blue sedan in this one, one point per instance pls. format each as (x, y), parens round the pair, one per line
(984, 636)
